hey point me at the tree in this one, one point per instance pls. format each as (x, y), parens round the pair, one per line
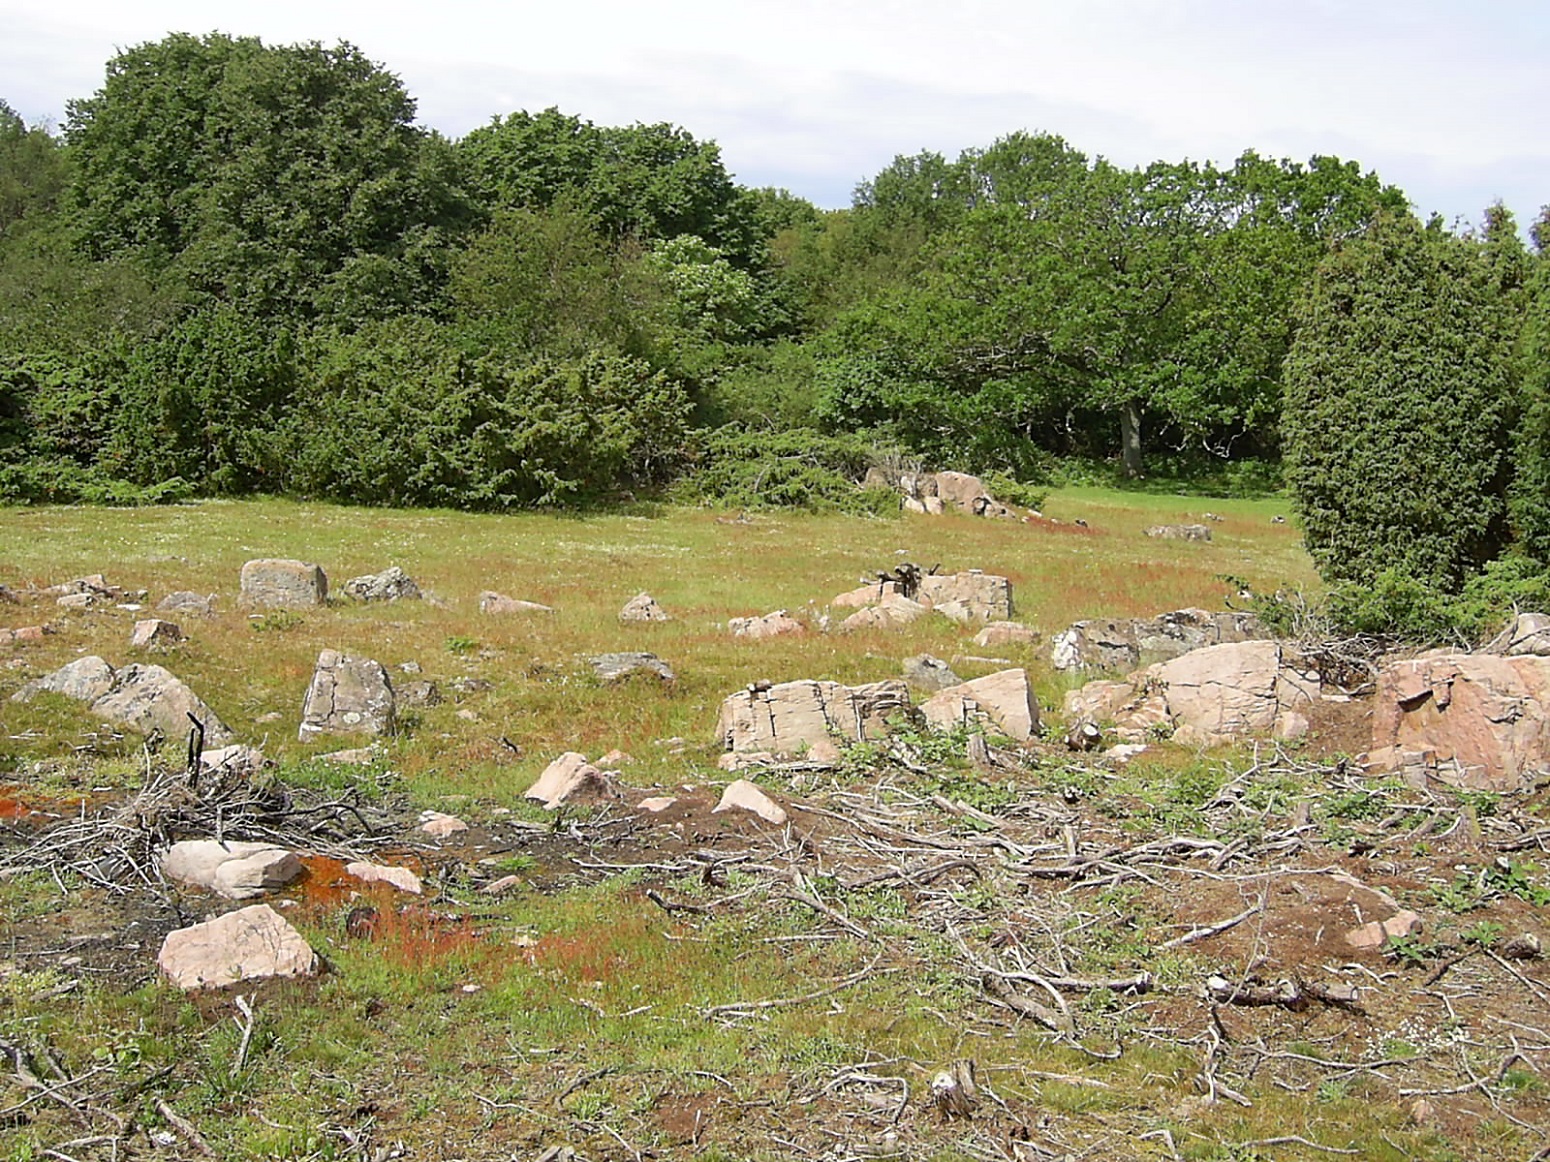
(650, 182)
(1399, 396)
(284, 180)
(32, 170)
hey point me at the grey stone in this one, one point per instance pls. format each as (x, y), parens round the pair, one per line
(983, 596)
(642, 607)
(925, 672)
(392, 584)
(347, 696)
(417, 693)
(1180, 532)
(142, 698)
(154, 632)
(615, 667)
(496, 603)
(85, 679)
(280, 583)
(183, 601)
(776, 624)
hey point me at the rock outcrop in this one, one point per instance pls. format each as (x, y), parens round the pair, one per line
(280, 583)
(807, 719)
(1122, 644)
(974, 595)
(347, 696)
(1003, 700)
(252, 943)
(1206, 697)
(1474, 720)
(895, 612)
(143, 698)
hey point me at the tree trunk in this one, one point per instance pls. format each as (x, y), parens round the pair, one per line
(1130, 439)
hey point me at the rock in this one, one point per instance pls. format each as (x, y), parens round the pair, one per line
(1373, 936)
(377, 873)
(925, 672)
(961, 491)
(26, 635)
(1004, 698)
(1083, 735)
(466, 684)
(439, 826)
(417, 694)
(985, 596)
(1005, 633)
(235, 870)
(1125, 751)
(85, 679)
(656, 804)
(807, 719)
(918, 507)
(1473, 720)
(745, 796)
(232, 762)
(874, 594)
(392, 584)
(183, 601)
(252, 943)
(95, 586)
(409, 668)
(78, 601)
(733, 762)
(355, 757)
(1523, 946)
(142, 698)
(348, 695)
(504, 884)
(1123, 643)
(570, 777)
(614, 758)
(616, 667)
(1422, 1112)
(279, 583)
(1180, 532)
(1205, 697)
(642, 607)
(491, 602)
(894, 613)
(154, 632)
(1528, 634)
(776, 624)
(1228, 691)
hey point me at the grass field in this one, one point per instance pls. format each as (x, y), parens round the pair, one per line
(699, 986)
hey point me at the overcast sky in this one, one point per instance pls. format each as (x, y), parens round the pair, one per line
(1443, 98)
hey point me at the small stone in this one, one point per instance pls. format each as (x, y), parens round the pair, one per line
(417, 694)
(409, 667)
(776, 624)
(615, 667)
(468, 715)
(1524, 946)
(656, 804)
(614, 758)
(439, 826)
(745, 796)
(1422, 1112)
(375, 873)
(237, 871)
(77, 601)
(643, 607)
(504, 884)
(154, 632)
(1375, 935)
(495, 603)
(1006, 633)
(183, 601)
(26, 635)
(570, 777)
(925, 672)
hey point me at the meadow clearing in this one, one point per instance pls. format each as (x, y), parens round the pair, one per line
(704, 986)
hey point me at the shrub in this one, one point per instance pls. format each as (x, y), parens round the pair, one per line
(1398, 397)
(794, 469)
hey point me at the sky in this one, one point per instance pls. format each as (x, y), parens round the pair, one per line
(1443, 98)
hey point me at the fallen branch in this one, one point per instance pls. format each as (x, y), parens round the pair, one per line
(744, 1007)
